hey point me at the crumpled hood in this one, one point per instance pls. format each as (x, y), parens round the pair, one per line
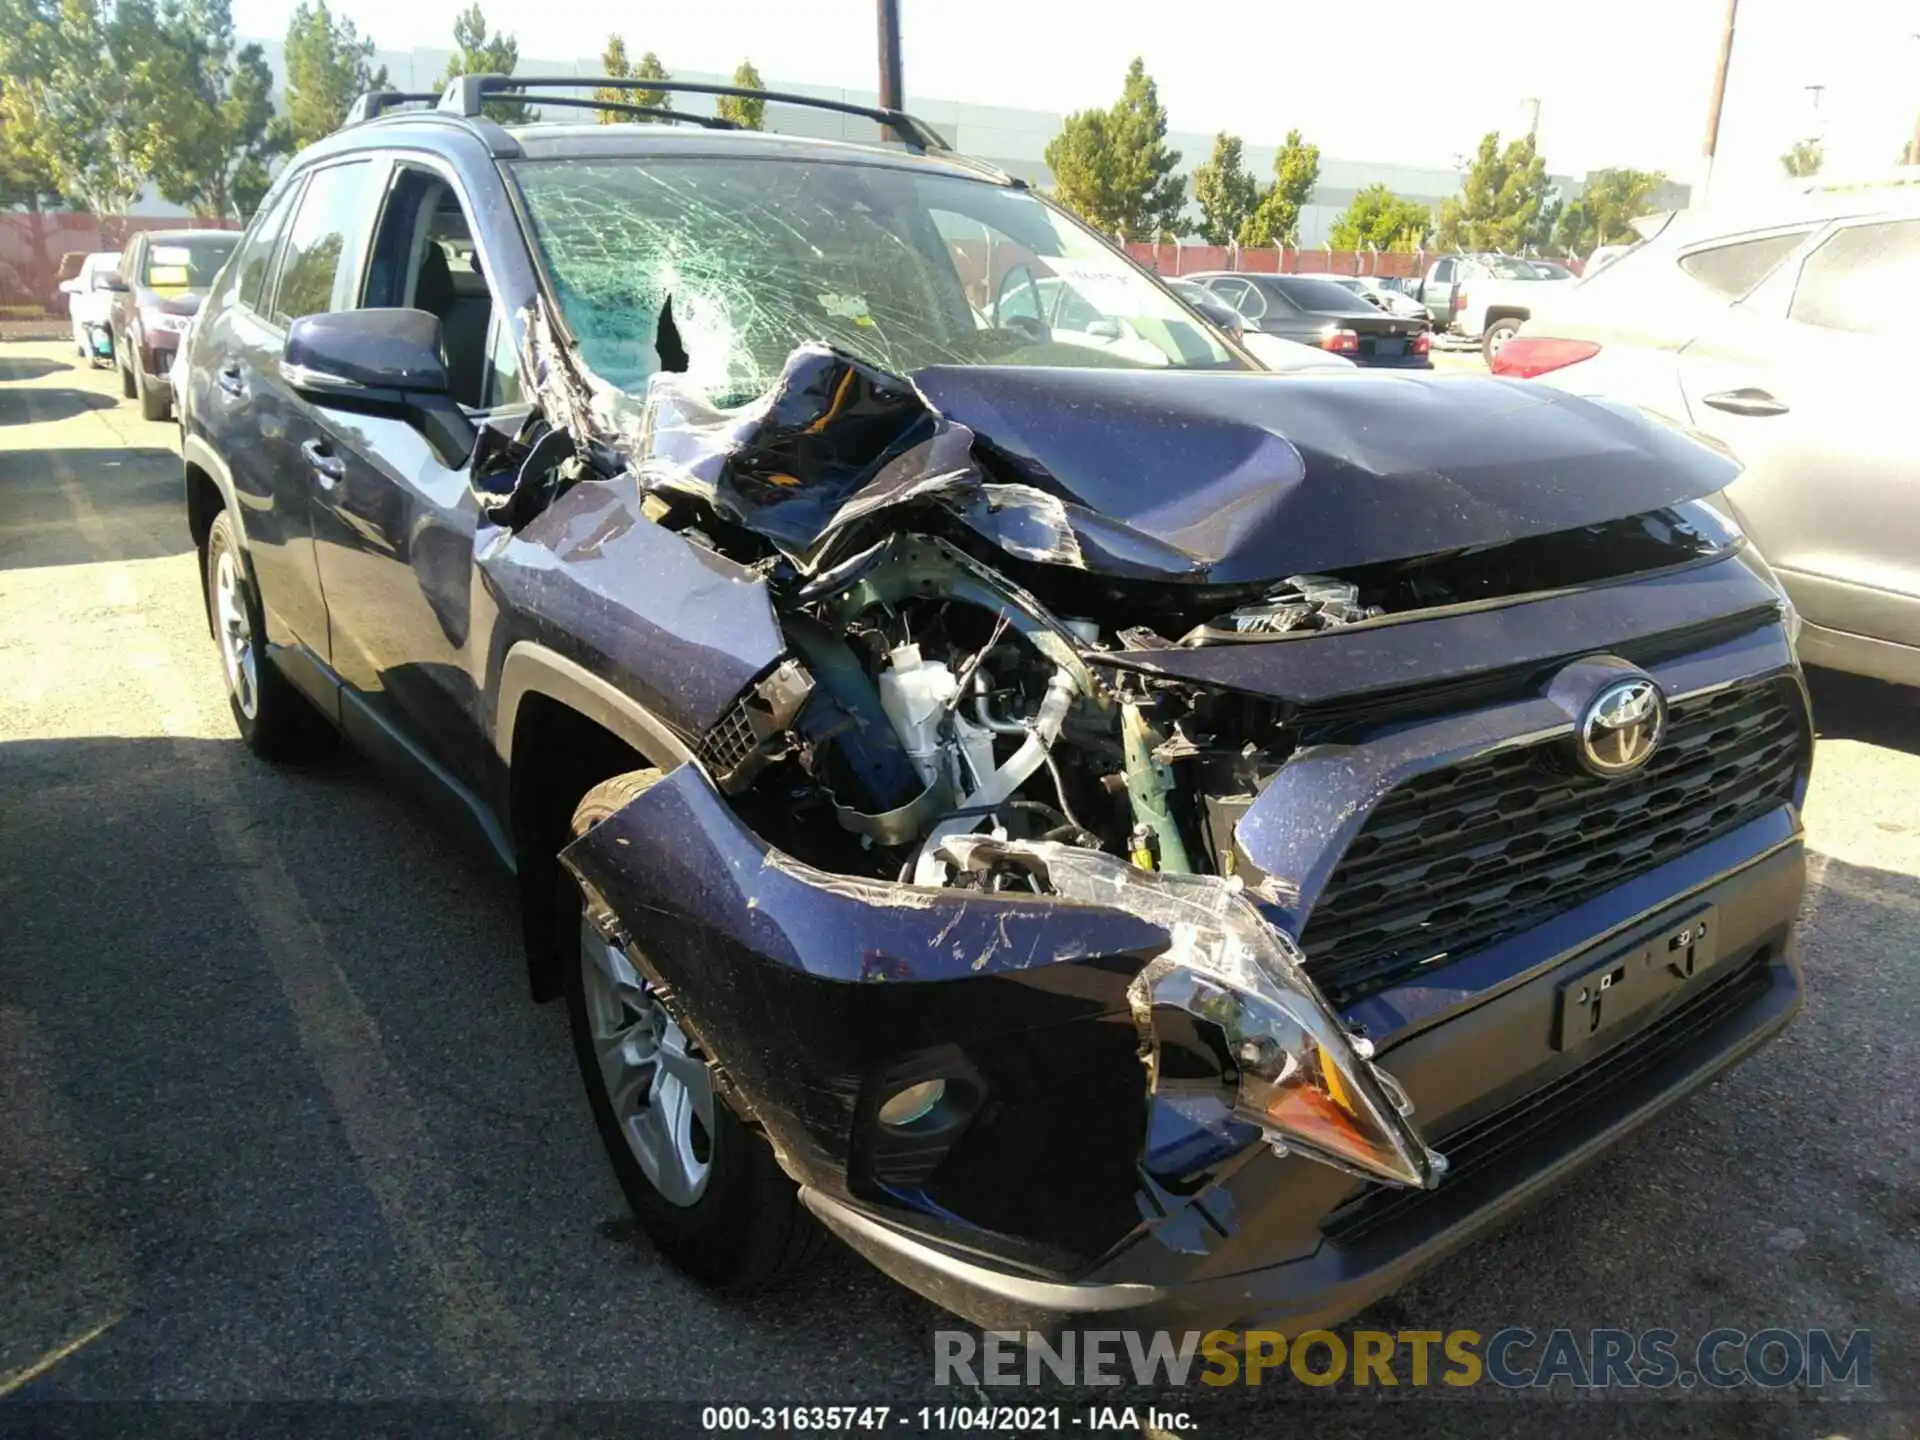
(1202, 477)
(1249, 477)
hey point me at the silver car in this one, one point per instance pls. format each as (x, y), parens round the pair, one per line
(1785, 334)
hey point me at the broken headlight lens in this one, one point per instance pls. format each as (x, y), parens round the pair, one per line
(1296, 1073)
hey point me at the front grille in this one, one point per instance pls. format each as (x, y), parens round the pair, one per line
(1457, 858)
(1559, 1105)
(731, 741)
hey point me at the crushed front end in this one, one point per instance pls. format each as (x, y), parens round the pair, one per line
(1208, 901)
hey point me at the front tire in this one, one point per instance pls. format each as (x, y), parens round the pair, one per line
(1498, 333)
(273, 718)
(703, 1184)
(129, 390)
(155, 403)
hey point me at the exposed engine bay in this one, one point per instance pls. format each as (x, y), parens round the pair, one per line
(971, 641)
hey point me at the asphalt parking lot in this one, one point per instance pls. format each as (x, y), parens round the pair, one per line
(280, 1124)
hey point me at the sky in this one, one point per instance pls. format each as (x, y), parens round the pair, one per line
(1619, 82)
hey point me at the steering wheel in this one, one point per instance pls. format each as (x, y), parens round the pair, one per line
(1030, 326)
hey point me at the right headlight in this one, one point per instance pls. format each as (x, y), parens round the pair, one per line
(1293, 1070)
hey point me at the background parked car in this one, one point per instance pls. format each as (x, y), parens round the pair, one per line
(89, 292)
(165, 274)
(1375, 291)
(1314, 311)
(1552, 269)
(1780, 334)
(1484, 297)
(1271, 351)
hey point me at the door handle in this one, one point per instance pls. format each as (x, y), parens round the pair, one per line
(1747, 401)
(231, 380)
(328, 466)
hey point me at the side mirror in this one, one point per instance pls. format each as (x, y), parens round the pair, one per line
(111, 280)
(69, 287)
(379, 362)
(1105, 329)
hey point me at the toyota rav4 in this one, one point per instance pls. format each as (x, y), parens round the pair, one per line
(1106, 831)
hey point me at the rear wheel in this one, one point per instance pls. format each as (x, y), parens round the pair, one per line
(1498, 333)
(703, 1184)
(273, 718)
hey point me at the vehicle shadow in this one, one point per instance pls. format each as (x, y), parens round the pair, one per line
(130, 499)
(30, 367)
(1854, 707)
(55, 404)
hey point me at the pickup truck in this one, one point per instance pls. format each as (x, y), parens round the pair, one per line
(1483, 297)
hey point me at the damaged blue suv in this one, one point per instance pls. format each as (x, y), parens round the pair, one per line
(1107, 832)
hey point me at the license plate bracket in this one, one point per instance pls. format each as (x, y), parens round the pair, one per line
(1611, 991)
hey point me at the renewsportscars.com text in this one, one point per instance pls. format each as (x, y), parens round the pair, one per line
(1514, 1358)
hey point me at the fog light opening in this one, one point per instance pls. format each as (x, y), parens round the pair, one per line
(914, 1103)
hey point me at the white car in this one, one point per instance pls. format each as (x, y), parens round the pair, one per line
(1783, 334)
(1368, 287)
(88, 298)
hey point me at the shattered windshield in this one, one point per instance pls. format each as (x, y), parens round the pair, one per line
(720, 267)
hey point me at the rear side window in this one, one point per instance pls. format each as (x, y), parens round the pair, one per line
(1735, 268)
(256, 250)
(1859, 278)
(317, 255)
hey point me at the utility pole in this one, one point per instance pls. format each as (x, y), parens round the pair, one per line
(1532, 107)
(1719, 95)
(890, 83)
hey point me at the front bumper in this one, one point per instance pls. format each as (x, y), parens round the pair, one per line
(1538, 1124)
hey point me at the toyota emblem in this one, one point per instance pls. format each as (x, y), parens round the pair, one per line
(1622, 727)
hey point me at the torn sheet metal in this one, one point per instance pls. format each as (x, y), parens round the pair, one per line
(1252, 478)
(1219, 478)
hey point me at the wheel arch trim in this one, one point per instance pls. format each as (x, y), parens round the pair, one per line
(531, 668)
(196, 453)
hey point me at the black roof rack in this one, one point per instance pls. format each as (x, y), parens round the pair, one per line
(375, 103)
(465, 95)
(620, 107)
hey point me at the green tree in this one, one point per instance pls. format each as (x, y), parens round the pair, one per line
(219, 138)
(329, 66)
(1378, 219)
(1601, 216)
(615, 66)
(1276, 219)
(650, 68)
(1500, 201)
(480, 52)
(1804, 159)
(83, 96)
(747, 114)
(1224, 191)
(26, 182)
(1113, 166)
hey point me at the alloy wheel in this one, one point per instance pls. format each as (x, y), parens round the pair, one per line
(235, 632)
(658, 1086)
